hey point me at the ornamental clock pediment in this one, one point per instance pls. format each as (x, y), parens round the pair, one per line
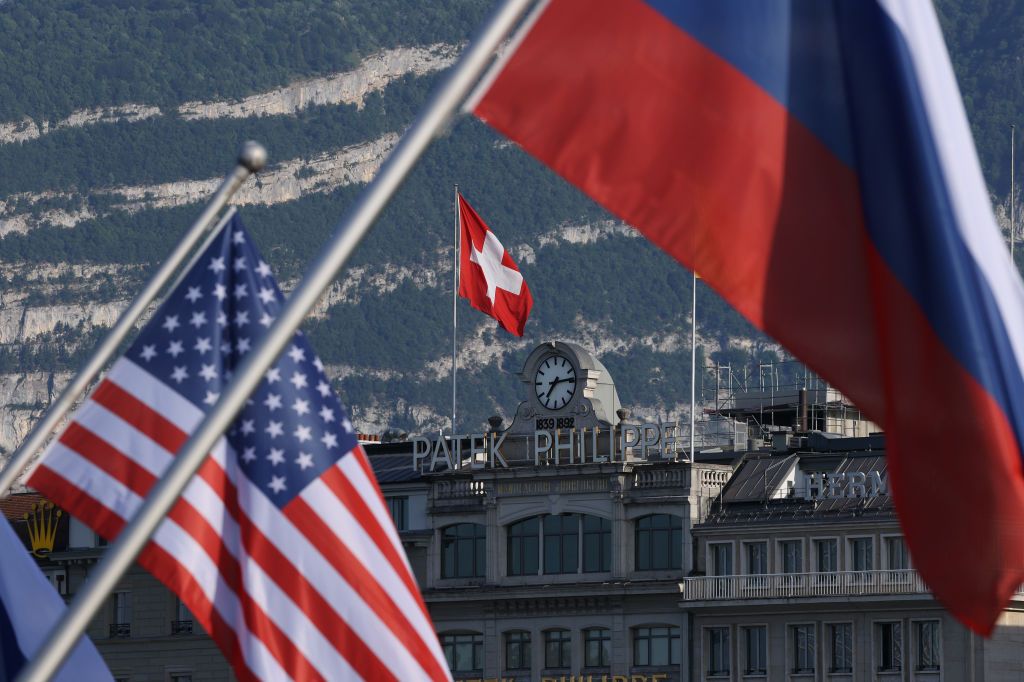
(566, 387)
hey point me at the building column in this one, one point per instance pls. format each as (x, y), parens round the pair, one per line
(494, 548)
(621, 541)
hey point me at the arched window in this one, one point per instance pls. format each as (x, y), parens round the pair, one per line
(517, 650)
(561, 544)
(659, 542)
(557, 649)
(464, 651)
(565, 538)
(464, 551)
(656, 645)
(524, 547)
(597, 647)
(597, 544)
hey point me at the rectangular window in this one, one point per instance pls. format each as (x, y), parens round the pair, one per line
(721, 558)
(718, 652)
(755, 649)
(757, 558)
(399, 508)
(597, 544)
(597, 645)
(928, 645)
(557, 649)
(464, 652)
(524, 547)
(827, 552)
(889, 640)
(896, 557)
(561, 543)
(862, 551)
(464, 551)
(121, 614)
(656, 646)
(182, 623)
(802, 637)
(517, 650)
(792, 556)
(840, 645)
(659, 542)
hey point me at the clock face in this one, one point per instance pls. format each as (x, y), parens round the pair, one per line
(555, 382)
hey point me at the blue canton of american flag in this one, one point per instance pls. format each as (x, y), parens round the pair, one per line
(282, 545)
(293, 427)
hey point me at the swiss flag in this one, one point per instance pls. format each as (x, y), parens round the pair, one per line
(488, 276)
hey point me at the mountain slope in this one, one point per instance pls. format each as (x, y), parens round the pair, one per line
(116, 120)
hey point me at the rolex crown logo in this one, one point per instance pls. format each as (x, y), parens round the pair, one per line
(42, 527)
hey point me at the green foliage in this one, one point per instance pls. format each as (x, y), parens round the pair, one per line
(168, 148)
(984, 40)
(63, 55)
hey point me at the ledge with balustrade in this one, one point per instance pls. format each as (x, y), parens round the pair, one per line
(803, 585)
(646, 480)
(883, 583)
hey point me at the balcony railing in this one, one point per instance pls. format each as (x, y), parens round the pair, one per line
(120, 630)
(659, 478)
(791, 585)
(460, 489)
(181, 627)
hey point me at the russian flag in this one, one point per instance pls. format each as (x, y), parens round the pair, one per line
(29, 608)
(812, 159)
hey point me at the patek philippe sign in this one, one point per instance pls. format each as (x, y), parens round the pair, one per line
(548, 447)
(852, 484)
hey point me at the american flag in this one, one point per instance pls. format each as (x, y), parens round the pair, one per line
(282, 546)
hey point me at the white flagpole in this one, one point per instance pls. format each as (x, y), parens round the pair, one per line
(353, 227)
(455, 301)
(251, 158)
(693, 364)
(1013, 228)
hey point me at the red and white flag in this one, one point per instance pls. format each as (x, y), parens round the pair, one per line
(281, 546)
(488, 276)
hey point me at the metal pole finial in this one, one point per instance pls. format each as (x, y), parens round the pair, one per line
(253, 156)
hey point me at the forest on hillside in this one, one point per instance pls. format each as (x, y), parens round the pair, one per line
(60, 56)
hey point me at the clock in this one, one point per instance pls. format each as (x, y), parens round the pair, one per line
(555, 382)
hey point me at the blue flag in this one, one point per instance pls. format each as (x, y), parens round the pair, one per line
(29, 607)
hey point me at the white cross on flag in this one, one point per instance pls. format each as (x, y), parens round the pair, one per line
(488, 276)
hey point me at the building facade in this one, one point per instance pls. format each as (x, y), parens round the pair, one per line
(802, 574)
(577, 544)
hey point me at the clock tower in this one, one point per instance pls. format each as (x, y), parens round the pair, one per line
(566, 388)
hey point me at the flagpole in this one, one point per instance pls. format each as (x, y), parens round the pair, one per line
(350, 231)
(455, 301)
(693, 363)
(1013, 230)
(251, 158)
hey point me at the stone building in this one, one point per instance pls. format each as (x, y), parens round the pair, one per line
(578, 544)
(802, 574)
